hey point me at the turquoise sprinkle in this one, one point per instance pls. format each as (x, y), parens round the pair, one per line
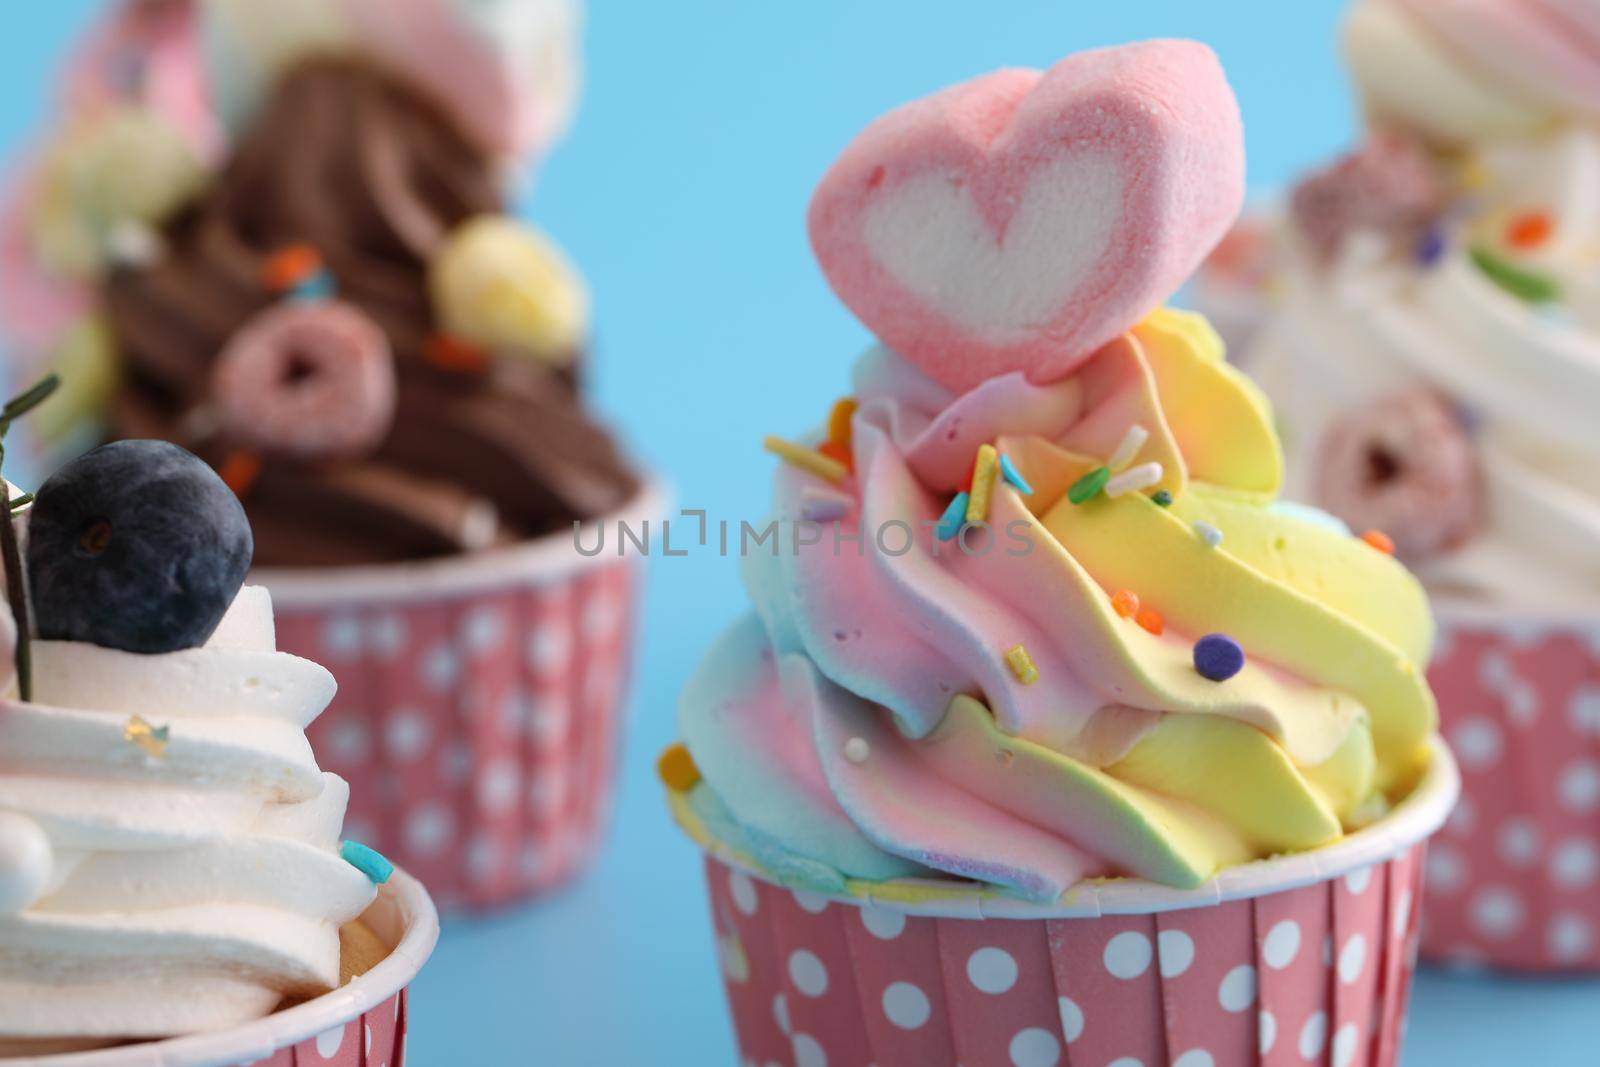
(316, 286)
(1008, 471)
(368, 861)
(954, 517)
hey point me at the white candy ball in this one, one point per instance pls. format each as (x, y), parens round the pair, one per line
(25, 861)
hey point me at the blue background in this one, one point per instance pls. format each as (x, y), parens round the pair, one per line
(682, 192)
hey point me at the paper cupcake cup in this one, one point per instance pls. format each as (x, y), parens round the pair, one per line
(1514, 878)
(1302, 959)
(362, 1024)
(480, 704)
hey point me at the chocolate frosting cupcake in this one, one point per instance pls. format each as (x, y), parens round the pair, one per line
(300, 326)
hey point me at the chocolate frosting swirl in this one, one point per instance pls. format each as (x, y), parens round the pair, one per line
(354, 161)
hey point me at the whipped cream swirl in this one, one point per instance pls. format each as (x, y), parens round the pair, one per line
(169, 849)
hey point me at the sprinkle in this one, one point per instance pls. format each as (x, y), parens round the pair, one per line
(1125, 603)
(133, 244)
(807, 459)
(153, 739)
(1134, 478)
(1208, 533)
(1530, 230)
(840, 424)
(1218, 657)
(289, 266)
(1431, 246)
(839, 452)
(318, 285)
(1520, 282)
(1008, 471)
(677, 768)
(240, 471)
(1150, 619)
(1161, 498)
(983, 472)
(954, 517)
(1380, 541)
(1089, 486)
(454, 354)
(1021, 665)
(369, 861)
(856, 750)
(1473, 176)
(1129, 447)
(823, 505)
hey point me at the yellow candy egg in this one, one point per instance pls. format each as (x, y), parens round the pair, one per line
(502, 285)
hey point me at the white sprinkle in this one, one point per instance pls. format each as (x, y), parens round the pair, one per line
(856, 750)
(1134, 478)
(823, 505)
(133, 244)
(1132, 441)
(1208, 533)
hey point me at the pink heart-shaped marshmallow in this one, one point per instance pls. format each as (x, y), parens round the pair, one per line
(1021, 220)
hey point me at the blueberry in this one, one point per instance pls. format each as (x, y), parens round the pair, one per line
(138, 546)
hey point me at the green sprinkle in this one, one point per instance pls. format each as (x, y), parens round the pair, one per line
(1162, 498)
(1520, 282)
(369, 862)
(1089, 486)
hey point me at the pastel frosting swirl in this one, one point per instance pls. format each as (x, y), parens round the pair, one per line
(863, 722)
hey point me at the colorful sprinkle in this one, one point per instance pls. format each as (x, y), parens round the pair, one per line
(807, 459)
(1133, 479)
(1520, 282)
(455, 354)
(1431, 246)
(133, 244)
(240, 471)
(1218, 657)
(1380, 541)
(841, 421)
(1128, 447)
(1530, 230)
(289, 266)
(1088, 487)
(1021, 665)
(1008, 471)
(839, 452)
(318, 285)
(1150, 619)
(152, 739)
(1208, 533)
(983, 472)
(1125, 603)
(677, 768)
(1161, 498)
(856, 750)
(369, 861)
(823, 505)
(954, 517)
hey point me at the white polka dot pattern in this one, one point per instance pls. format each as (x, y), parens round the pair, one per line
(479, 731)
(373, 1039)
(1514, 879)
(831, 982)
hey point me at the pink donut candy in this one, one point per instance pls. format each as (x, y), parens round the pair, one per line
(1022, 220)
(1406, 466)
(309, 379)
(1388, 185)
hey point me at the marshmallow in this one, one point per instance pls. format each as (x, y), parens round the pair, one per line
(1019, 221)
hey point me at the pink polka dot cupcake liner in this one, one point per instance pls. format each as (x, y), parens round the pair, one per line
(480, 705)
(1514, 877)
(1299, 960)
(362, 1024)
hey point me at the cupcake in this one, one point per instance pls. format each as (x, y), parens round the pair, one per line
(1435, 361)
(171, 854)
(1050, 737)
(335, 309)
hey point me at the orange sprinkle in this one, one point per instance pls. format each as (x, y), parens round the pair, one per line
(840, 451)
(1380, 541)
(1125, 603)
(677, 769)
(839, 424)
(1530, 230)
(289, 266)
(452, 353)
(240, 471)
(1151, 620)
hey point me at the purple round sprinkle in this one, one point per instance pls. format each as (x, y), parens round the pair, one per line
(1218, 657)
(1431, 248)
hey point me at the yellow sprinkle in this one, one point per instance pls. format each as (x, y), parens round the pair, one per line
(839, 424)
(982, 483)
(676, 768)
(153, 739)
(807, 459)
(1022, 665)
(1474, 176)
